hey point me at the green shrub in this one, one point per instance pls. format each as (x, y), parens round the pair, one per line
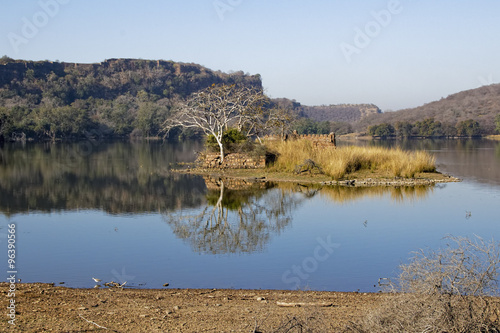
(230, 138)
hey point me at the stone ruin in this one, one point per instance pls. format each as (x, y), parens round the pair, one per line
(232, 161)
(245, 161)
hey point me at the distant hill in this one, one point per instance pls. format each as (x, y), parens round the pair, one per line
(348, 113)
(119, 97)
(481, 104)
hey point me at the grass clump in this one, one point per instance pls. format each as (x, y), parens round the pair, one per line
(340, 162)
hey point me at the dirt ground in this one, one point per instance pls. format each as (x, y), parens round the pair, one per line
(48, 308)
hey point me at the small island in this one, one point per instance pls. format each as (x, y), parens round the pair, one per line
(245, 138)
(315, 159)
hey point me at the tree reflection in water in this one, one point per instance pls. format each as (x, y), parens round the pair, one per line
(241, 218)
(238, 218)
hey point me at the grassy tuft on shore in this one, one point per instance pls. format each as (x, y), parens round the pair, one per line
(342, 161)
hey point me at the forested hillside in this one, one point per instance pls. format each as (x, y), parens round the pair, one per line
(324, 119)
(117, 97)
(481, 105)
(43, 100)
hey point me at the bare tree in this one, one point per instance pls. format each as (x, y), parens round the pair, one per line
(447, 290)
(215, 109)
(281, 119)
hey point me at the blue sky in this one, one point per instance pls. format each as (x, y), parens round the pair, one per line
(393, 53)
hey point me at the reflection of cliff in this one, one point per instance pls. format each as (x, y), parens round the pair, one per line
(116, 178)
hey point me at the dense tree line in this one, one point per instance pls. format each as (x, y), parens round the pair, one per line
(427, 128)
(119, 97)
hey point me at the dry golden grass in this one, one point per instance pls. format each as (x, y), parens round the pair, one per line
(342, 161)
(493, 137)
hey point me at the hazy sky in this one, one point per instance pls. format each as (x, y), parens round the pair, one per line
(395, 54)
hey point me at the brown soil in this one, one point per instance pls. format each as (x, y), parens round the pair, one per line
(48, 308)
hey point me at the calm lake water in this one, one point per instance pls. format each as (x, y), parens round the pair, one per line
(115, 211)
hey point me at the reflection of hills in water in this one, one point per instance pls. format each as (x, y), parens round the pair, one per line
(116, 178)
(241, 216)
(135, 178)
(213, 215)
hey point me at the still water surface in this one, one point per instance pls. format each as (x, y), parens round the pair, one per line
(116, 212)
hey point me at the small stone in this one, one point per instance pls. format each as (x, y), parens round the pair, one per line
(177, 308)
(260, 299)
(143, 316)
(82, 308)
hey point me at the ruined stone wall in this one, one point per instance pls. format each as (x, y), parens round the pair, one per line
(233, 161)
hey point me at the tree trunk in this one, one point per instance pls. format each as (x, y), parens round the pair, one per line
(221, 146)
(221, 153)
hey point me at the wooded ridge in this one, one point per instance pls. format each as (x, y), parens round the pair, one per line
(480, 104)
(117, 97)
(45, 100)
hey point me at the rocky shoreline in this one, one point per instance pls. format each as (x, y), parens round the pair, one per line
(392, 182)
(262, 176)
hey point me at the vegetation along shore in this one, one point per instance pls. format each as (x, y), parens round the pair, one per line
(300, 161)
